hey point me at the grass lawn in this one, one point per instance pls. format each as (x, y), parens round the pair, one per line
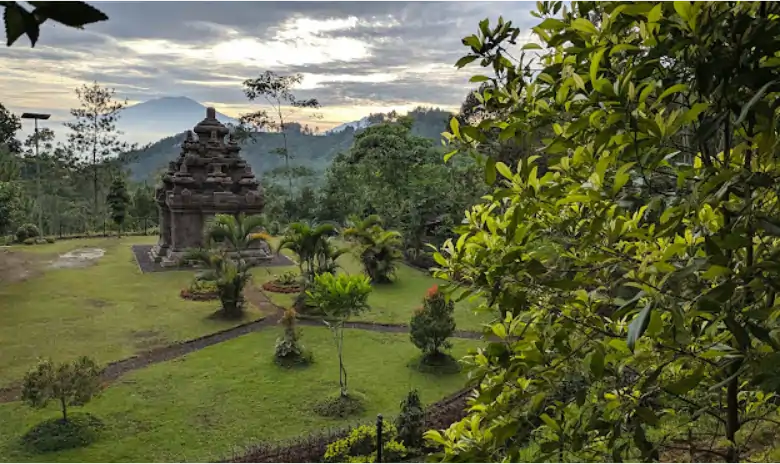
(109, 310)
(200, 407)
(392, 303)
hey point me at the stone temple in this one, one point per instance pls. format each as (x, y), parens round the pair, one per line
(208, 178)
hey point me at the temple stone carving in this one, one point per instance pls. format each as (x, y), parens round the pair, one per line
(208, 178)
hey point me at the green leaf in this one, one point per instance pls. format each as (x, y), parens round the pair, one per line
(450, 155)
(455, 127)
(550, 422)
(73, 14)
(479, 79)
(550, 446)
(552, 24)
(647, 415)
(504, 170)
(638, 326)
(490, 171)
(673, 89)
(531, 46)
(595, 61)
(597, 363)
(483, 27)
(746, 107)
(439, 259)
(466, 60)
(473, 41)
(583, 25)
(686, 384)
(683, 9)
(655, 14)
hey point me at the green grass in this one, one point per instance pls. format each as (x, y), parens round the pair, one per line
(390, 303)
(232, 394)
(109, 310)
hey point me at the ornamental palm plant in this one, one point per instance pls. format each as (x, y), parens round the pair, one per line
(379, 250)
(311, 242)
(224, 235)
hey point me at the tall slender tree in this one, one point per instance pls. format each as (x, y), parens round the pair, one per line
(94, 136)
(277, 91)
(118, 201)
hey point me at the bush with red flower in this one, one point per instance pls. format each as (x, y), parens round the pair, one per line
(432, 325)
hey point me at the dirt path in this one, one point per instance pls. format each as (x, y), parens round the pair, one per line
(255, 296)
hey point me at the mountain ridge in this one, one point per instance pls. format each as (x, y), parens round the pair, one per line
(314, 151)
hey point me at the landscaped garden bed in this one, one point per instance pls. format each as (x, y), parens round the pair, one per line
(289, 282)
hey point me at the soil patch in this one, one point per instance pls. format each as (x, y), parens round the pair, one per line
(276, 287)
(81, 257)
(17, 266)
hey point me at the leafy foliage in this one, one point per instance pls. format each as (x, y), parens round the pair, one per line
(26, 231)
(645, 258)
(310, 242)
(72, 384)
(433, 324)
(93, 136)
(276, 90)
(360, 445)
(226, 237)
(118, 200)
(379, 249)
(289, 351)
(19, 21)
(411, 421)
(339, 297)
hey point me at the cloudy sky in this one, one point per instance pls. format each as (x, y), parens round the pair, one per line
(356, 57)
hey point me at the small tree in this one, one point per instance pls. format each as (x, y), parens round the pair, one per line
(433, 324)
(94, 135)
(289, 350)
(118, 201)
(72, 384)
(339, 298)
(276, 90)
(411, 421)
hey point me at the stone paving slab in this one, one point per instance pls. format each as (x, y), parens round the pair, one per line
(146, 264)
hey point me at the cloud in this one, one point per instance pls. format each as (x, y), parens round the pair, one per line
(355, 57)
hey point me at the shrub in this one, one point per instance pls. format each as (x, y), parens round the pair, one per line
(29, 241)
(411, 422)
(289, 278)
(26, 231)
(432, 324)
(360, 445)
(289, 351)
(50, 240)
(72, 384)
(341, 405)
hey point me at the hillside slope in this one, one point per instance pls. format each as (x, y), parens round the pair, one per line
(313, 151)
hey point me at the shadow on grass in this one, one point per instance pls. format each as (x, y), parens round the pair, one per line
(57, 434)
(437, 363)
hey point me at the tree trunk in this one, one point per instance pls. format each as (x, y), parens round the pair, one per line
(64, 409)
(732, 417)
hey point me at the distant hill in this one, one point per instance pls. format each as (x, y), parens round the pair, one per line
(162, 117)
(310, 150)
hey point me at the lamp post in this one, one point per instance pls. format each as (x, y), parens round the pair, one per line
(36, 117)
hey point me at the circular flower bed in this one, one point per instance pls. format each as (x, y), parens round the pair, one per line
(188, 294)
(278, 287)
(200, 291)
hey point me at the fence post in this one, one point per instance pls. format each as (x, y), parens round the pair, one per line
(378, 438)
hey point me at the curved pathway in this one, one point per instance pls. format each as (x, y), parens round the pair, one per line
(254, 295)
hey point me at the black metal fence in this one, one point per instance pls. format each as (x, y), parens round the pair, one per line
(105, 228)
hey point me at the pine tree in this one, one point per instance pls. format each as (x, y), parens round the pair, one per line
(118, 200)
